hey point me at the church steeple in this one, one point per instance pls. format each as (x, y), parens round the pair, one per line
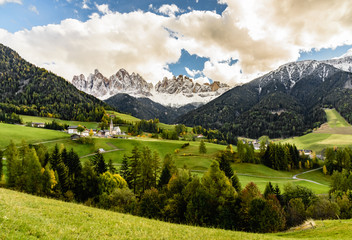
(111, 127)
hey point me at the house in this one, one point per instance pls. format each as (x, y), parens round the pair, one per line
(35, 124)
(72, 130)
(102, 133)
(200, 136)
(75, 137)
(305, 152)
(85, 133)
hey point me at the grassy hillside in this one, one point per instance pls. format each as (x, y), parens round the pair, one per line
(335, 119)
(31, 135)
(24, 216)
(336, 132)
(90, 125)
(261, 175)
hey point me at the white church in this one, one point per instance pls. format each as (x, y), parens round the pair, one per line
(114, 130)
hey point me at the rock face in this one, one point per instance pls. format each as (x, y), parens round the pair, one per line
(176, 92)
(121, 82)
(186, 86)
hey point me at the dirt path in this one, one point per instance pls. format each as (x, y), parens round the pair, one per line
(288, 178)
(92, 154)
(307, 180)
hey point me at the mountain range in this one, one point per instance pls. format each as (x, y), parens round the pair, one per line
(285, 102)
(175, 92)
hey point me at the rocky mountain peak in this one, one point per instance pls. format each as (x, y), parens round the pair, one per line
(176, 91)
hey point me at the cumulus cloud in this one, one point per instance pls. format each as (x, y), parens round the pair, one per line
(136, 41)
(103, 8)
(169, 10)
(85, 4)
(10, 1)
(33, 9)
(261, 34)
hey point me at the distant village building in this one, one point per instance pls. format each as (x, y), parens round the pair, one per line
(35, 124)
(72, 129)
(75, 137)
(102, 133)
(114, 130)
(85, 133)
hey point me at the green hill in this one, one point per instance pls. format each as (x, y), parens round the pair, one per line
(18, 133)
(28, 89)
(25, 216)
(336, 132)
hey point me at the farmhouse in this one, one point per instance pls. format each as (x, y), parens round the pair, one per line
(75, 137)
(72, 129)
(35, 124)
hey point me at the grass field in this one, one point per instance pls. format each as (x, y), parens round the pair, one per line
(335, 119)
(336, 132)
(18, 133)
(123, 116)
(261, 175)
(23, 216)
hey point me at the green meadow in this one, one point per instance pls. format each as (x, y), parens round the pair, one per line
(24, 216)
(336, 132)
(17, 133)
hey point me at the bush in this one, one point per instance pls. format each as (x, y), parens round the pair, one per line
(323, 209)
(295, 212)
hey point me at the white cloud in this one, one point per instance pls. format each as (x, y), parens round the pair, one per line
(103, 8)
(169, 10)
(33, 9)
(135, 41)
(192, 73)
(10, 1)
(262, 35)
(85, 4)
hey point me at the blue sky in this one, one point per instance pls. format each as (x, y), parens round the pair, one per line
(231, 41)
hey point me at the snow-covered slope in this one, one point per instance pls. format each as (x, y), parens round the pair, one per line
(175, 92)
(291, 73)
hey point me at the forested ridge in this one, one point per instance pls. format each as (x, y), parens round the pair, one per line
(274, 109)
(27, 89)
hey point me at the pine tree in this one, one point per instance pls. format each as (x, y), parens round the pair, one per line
(135, 165)
(13, 164)
(74, 164)
(236, 183)
(32, 173)
(155, 167)
(202, 147)
(55, 158)
(146, 170)
(98, 162)
(111, 167)
(62, 173)
(224, 158)
(124, 170)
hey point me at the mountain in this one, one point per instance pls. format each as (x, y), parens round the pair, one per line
(285, 102)
(144, 108)
(27, 89)
(176, 92)
(121, 82)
